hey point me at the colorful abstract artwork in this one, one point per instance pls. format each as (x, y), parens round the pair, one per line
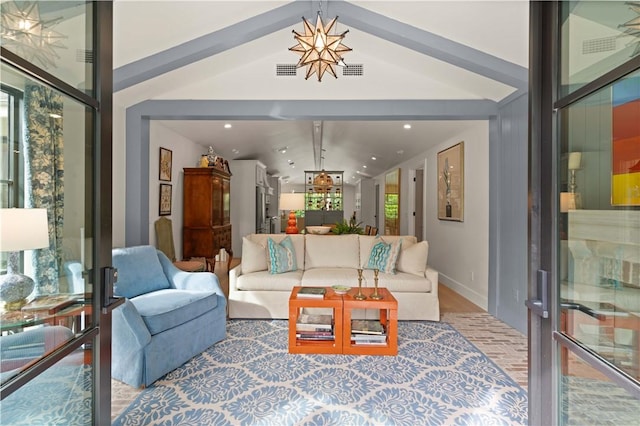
(625, 147)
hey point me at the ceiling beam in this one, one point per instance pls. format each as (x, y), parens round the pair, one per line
(430, 44)
(342, 110)
(208, 45)
(386, 28)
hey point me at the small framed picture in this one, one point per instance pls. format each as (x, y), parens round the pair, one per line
(165, 164)
(165, 199)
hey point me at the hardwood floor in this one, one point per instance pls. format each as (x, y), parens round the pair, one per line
(452, 302)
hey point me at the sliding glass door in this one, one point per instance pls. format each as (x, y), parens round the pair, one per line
(585, 214)
(55, 102)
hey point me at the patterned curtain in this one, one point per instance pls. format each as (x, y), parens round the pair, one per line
(44, 178)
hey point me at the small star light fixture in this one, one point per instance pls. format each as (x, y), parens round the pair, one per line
(26, 34)
(319, 50)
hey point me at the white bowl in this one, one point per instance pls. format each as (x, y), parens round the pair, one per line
(319, 230)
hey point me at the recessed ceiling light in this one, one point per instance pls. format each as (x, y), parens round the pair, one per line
(227, 126)
(400, 151)
(283, 150)
(235, 151)
(407, 126)
(364, 166)
(373, 158)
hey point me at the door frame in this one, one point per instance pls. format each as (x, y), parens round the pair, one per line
(544, 335)
(100, 135)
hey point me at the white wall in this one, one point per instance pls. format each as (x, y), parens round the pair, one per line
(185, 154)
(459, 251)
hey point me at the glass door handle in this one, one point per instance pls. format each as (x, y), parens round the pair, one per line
(540, 306)
(109, 301)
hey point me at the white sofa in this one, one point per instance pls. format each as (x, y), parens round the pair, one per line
(326, 260)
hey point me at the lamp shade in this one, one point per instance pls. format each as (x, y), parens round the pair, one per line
(23, 229)
(569, 201)
(291, 201)
(575, 158)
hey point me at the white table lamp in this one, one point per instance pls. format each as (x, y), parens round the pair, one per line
(20, 229)
(291, 202)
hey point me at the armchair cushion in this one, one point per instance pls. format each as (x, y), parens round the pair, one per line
(165, 309)
(144, 271)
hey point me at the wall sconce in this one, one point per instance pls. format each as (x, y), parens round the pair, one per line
(575, 158)
(572, 200)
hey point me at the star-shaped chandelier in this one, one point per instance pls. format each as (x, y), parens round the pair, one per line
(319, 51)
(29, 36)
(633, 26)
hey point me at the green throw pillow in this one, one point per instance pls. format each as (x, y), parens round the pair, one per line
(384, 256)
(282, 257)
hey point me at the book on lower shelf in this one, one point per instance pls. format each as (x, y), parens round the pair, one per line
(359, 326)
(314, 322)
(315, 335)
(311, 293)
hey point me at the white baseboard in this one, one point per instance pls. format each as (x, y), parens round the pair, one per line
(482, 300)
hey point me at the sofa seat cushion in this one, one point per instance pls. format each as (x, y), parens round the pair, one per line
(327, 277)
(265, 281)
(401, 282)
(165, 309)
(332, 251)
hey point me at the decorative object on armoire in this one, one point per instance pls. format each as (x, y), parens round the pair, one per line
(20, 229)
(204, 161)
(212, 157)
(207, 214)
(291, 202)
(319, 51)
(164, 242)
(165, 164)
(451, 183)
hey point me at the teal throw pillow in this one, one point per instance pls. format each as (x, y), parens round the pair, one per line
(282, 257)
(384, 256)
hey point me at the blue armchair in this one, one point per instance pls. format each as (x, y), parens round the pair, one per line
(169, 315)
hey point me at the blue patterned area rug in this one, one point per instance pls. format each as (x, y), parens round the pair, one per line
(438, 378)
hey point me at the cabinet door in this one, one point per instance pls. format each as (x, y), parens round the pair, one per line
(226, 201)
(216, 201)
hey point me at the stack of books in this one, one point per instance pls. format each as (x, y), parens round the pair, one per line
(315, 327)
(311, 293)
(368, 332)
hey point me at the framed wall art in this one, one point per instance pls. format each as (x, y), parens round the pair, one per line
(165, 199)
(165, 163)
(451, 183)
(625, 144)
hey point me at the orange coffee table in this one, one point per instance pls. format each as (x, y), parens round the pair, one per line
(330, 300)
(388, 307)
(342, 306)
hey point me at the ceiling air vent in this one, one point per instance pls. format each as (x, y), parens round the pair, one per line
(285, 70)
(85, 56)
(598, 45)
(353, 70)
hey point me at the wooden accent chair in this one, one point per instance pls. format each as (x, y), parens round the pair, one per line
(164, 239)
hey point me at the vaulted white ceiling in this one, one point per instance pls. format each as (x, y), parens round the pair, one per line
(453, 51)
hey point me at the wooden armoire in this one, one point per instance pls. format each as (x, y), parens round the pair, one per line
(207, 213)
